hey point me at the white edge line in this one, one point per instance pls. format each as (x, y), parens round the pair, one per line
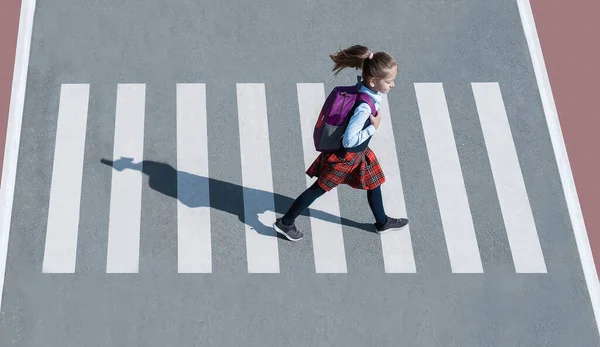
(562, 159)
(13, 130)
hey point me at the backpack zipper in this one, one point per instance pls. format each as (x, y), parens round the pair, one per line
(344, 101)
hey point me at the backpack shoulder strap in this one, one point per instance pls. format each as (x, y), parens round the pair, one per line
(364, 97)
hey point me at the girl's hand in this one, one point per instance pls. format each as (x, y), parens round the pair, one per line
(375, 120)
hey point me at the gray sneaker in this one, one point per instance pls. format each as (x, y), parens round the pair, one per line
(289, 231)
(391, 224)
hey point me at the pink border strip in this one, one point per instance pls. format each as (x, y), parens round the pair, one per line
(566, 59)
(9, 28)
(569, 32)
(12, 131)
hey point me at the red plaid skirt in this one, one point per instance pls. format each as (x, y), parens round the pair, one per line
(359, 170)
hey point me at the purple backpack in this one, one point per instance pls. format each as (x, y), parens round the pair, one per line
(335, 114)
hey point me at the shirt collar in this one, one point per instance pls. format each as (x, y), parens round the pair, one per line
(375, 96)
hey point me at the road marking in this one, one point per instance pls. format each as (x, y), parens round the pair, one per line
(126, 188)
(328, 240)
(261, 240)
(510, 187)
(448, 179)
(13, 130)
(562, 159)
(193, 198)
(397, 248)
(67, 171)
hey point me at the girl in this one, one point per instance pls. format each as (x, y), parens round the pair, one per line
(355, 165)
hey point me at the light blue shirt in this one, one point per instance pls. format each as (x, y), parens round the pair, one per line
(355, 135)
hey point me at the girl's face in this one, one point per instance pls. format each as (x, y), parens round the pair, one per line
(383, 85)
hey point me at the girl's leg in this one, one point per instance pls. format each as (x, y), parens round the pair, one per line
(384, 223)
(376, 203)
(302, 202)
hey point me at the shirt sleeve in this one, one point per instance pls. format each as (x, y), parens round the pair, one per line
(355, 134)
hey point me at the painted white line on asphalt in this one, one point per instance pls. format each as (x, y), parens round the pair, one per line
(67, 171)
(126, 188)
(397, 247)
(562, 159)
(448, 179)
(328, 240)
(13, 130)
(262, 248)
(193, 200)
(510, 187)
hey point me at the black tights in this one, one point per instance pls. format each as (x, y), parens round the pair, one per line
(313, 192)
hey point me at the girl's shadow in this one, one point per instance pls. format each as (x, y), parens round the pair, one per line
(198, 191)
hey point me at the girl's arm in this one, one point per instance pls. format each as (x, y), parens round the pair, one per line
(355, 134)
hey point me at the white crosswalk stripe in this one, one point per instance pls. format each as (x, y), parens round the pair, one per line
(514, 202)
(194, 224)
(448, 179)
(65, 194)
(193, 214)
(328, 240)
(261, 245)
(126, 187)
(396, 246)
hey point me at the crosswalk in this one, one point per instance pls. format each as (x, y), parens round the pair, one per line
(448, 180)
(194, 225)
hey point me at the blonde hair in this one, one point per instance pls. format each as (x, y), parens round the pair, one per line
(359, 57)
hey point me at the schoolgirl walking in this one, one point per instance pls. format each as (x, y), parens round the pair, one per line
(345, 156)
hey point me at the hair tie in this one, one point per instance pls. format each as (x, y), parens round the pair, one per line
(371, 55)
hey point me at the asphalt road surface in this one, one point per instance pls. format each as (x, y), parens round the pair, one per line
(159, 141)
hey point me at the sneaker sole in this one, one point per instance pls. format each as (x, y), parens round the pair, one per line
(391, 229)
(284, 234)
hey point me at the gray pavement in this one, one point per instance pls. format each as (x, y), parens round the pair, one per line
(280, 44)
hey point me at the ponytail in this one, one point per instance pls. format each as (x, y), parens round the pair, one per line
(359, 57)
